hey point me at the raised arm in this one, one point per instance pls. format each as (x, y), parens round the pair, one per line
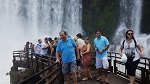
(57, 57)
(88, 49)
(141, 50)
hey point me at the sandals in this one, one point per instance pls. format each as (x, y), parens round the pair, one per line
(106, 82)
(84, 79)
(78, 76)
(98, 78)
(91, 77)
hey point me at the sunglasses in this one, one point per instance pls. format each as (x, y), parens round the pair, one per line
(98, 33)
(130, 34)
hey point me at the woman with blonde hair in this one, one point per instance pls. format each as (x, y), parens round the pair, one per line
(86, 58)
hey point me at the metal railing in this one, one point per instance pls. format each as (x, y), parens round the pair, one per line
(143, 69)
(42, 66)
(33, 79)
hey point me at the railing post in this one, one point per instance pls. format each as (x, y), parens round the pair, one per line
(115, 68)
(145, 64)
(149, 64)
(32, 60)
(14, 58)
(143, 76)
(110, 66)
(42, 64)
(147, 74)
(27, 54)
(111, 63)
(62, 76)
(36, 63)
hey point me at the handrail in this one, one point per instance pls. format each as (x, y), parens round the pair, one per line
(33, 76)
(143, 67)
(43, 79)
(113, 58)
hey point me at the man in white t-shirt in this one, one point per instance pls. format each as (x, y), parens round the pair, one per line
(37, 48)
(80, 42)
(45, 47)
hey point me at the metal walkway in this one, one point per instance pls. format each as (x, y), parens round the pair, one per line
(112, 78)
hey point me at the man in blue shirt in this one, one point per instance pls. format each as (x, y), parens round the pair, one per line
(66, 46)
(101, 45)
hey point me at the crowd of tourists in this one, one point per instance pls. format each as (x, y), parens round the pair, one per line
(76, 54)
(46, 49)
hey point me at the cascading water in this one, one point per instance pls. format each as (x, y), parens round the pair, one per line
(29, 20)
(130, 18)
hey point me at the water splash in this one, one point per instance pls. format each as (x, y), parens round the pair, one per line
(130, 18)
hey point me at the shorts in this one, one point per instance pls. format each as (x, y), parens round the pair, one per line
(69, 67)
(131, 67)
(102, 63)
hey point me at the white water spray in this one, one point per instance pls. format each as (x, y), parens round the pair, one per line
(130, 18)
(29, 20)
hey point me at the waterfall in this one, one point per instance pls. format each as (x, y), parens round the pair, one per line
(29, 20)
(44, 17)
(130, 18)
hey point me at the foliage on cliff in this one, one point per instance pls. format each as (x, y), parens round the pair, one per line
(100, 15)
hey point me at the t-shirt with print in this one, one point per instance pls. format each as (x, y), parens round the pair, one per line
(131, 50)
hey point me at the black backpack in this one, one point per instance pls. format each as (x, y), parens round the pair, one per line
(133, 40)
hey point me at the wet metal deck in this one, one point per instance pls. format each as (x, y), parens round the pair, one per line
(112, 78)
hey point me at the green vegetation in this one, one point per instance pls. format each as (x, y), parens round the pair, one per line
(103, 15)
(100, 15)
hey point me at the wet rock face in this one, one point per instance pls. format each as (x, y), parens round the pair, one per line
(145, 26)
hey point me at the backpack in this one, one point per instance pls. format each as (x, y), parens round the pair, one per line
(133, 40)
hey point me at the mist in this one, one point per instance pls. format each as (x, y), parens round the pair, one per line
(30, 20)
